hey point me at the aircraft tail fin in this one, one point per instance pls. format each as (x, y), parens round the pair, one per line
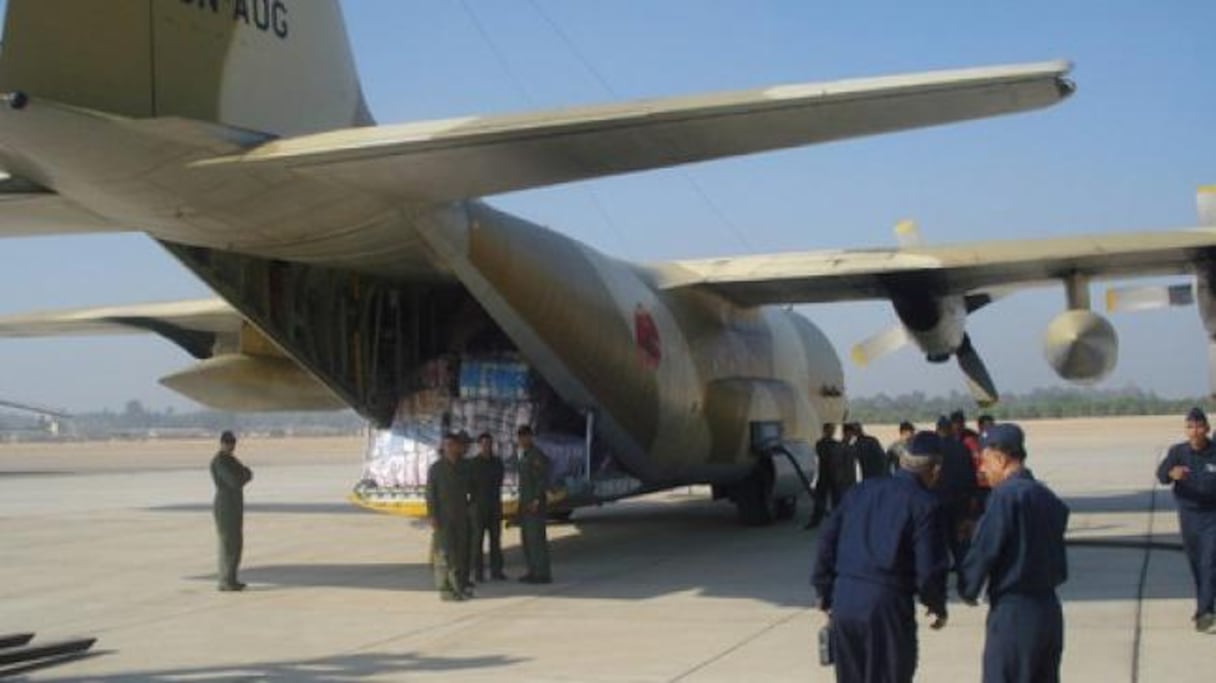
(272, 66)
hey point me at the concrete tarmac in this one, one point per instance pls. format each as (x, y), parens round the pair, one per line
(116, 541)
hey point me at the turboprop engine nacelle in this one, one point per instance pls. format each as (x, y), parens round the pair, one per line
(1081, 346)
(936, 324)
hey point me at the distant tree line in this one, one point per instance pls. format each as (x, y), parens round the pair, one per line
(1055, 402)
(136, 420)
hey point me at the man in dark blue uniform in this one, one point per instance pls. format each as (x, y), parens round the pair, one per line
(868, 452)
(1018, 551)
(1191, 466)
(956, 489)
(836, 472)
(881, 548)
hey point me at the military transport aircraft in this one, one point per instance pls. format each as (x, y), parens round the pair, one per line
(355, 262)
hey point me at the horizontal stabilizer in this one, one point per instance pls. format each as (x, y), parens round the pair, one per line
(201, 315)
(199, 327)
(476, 156)
(244, 383)
(26, 210)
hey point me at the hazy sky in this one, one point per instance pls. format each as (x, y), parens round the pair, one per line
(1126, 152)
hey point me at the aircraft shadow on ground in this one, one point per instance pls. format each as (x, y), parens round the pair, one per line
(643, 550)
(339, 508)
(629, 551)
(341, 669)
(34, 473)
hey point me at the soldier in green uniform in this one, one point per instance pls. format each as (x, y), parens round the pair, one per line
(447, 507)
(533, 507)
(230, 476)
(485, 481)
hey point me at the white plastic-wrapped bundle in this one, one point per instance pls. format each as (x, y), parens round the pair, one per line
(400, 456)
(387, 470)
(422, 439)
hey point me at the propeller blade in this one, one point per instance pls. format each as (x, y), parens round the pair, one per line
(1147, 298)
(907, 234)
(879, 345)
(979, 382)
(1205, 204)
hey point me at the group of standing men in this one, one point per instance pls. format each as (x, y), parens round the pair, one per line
(961, 489)
(837, 463)
(887, 544)
(890, 540)
(464, 506)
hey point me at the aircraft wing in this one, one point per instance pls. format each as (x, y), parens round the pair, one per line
(193, 325)
(827, 276)
(472, 157)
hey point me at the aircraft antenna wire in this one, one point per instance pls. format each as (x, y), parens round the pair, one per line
(697, 188)
(613, 226)
(498, 54)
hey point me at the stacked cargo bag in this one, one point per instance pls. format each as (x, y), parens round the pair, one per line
(515, 382)
(378, 452)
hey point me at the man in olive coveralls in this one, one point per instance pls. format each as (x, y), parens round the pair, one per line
(230, 476)
(447, 508)
(533, 507)
(485, 480)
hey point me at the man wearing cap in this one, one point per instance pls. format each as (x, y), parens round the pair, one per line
(1018, 551)
(533, 507)
(835, 473)
(447, 509)
(230, 477)
(867, 451)
(485, 479)
(1191, 467)
(881, 549)
(971, 441)
(956, 489)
